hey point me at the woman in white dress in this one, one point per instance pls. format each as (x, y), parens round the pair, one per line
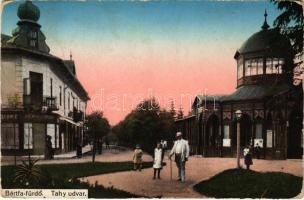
(158, 160)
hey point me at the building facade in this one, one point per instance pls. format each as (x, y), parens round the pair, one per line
(271, 105)
(40, 93)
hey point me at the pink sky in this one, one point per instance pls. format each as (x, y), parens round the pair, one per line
(119, 79)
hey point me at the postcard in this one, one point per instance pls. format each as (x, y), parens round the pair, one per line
(152, 99)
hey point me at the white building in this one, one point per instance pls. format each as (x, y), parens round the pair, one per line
(40, 93)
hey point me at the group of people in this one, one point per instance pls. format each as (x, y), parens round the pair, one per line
(180, 151)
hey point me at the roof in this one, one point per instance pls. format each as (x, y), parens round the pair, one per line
(269, 40)
(255, 92)
(71, 66)
(4, 39)
(63, 67)
(210, 97)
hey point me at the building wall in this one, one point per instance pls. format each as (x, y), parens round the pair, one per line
(10, 79)
(15, 69)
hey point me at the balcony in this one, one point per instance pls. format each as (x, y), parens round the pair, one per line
(77, 115)
(50, 103)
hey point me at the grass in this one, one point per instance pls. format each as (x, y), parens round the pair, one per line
(62, 174)
(241, 183)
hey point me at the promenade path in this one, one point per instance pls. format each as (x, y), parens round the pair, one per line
(141, 183)
(109, 155)
(197, 169)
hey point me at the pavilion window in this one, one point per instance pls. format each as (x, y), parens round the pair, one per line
(281, 63)
(260, 66)
(268, 66)
(240, 68)
(226, 139)
(247, 67)
(253, 68)
(258, 131)
(258, 141)
(28, 136)
(9, 136)
(274, 65)
(269, 136)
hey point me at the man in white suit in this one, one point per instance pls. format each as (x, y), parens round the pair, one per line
(181, 151)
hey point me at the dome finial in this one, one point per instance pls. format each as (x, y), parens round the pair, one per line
(265, 25)
(28, 11)
(71, 56)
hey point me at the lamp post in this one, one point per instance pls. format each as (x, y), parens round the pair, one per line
(238, 115)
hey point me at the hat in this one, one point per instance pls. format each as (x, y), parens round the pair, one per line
(137, 146)
(179, 134)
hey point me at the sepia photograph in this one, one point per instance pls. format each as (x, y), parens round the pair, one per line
(117, 99)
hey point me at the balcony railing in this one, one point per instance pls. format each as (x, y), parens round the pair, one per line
(50, 103)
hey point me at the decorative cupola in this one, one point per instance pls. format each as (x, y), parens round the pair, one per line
(263, 57)
(28, 34)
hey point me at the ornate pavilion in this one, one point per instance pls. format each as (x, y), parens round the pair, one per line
(271, 105)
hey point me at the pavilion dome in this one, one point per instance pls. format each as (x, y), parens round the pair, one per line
(266, 40)
(269, 41)
(28, 11)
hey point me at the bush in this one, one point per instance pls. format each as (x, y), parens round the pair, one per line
(240, 183)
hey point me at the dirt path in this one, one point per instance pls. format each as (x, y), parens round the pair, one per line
(197, 169)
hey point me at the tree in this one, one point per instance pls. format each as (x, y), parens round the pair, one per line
(98, 127)
(290, 22)
(172, 109)
(180, 113)
(146, 125)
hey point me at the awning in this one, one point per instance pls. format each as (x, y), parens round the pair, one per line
(64, 118)
(69, 121)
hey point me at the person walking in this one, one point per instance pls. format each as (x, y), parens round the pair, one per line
(137, 158)
(247, 157)
(181, 152)
(158, 160)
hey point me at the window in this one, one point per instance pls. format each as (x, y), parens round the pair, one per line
(28, 136)
(51, 87)
(33, 43)
(9, 136)
(51, 132)
(57, 136)
(269, 138)
(240, 68)
(60, 95)
(268, 66)
(69, 101)
(253, 67)
(33, 34)
(274, 65)
(247, 67)
(258, 131)
(226, 132)
(260, 66)
(226, 139)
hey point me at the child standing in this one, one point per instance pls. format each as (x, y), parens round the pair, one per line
(248, 157)
(137, 158)
(158, 160)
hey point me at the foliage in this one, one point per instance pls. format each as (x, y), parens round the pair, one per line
(27, 174)
(180, 113)
(98, 126)
(146, 125)
(241, 183)
(172, 109)
(290, 22)
(64, 176)
(14, 100)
